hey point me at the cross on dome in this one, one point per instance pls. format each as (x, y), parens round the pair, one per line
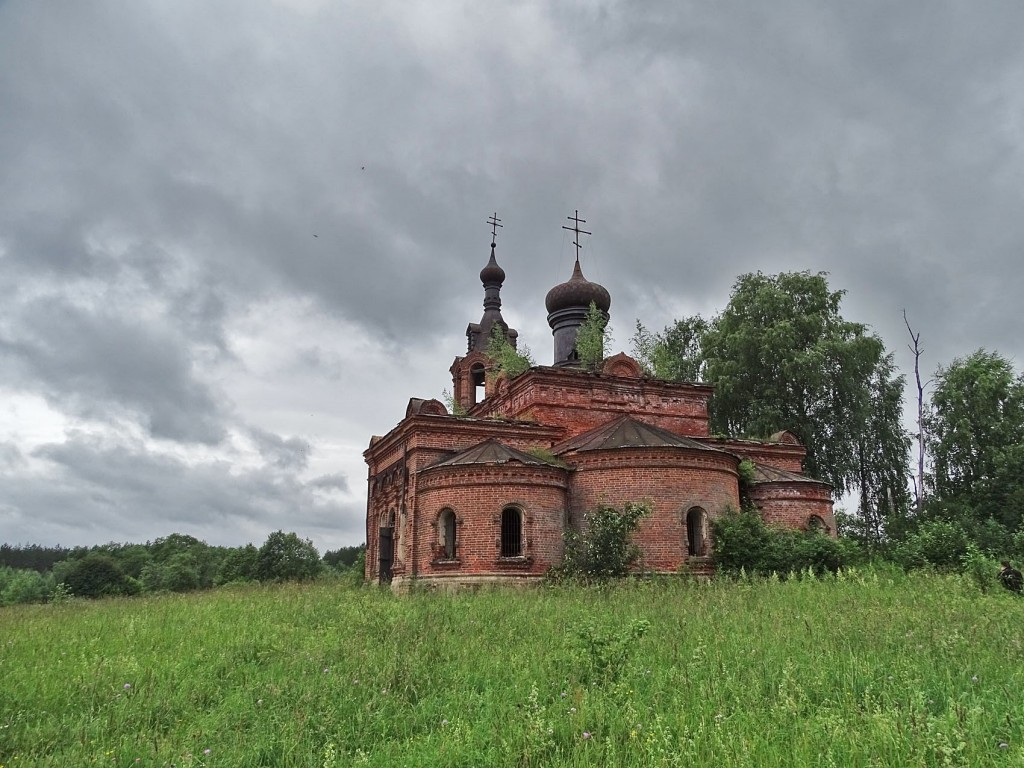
(576, 228)
(493, 221)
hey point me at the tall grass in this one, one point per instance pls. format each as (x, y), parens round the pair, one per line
(867, 669)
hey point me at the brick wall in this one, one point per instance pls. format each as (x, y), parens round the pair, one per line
(793, 504)
(478, 494)
(672, 480)
(578, 401)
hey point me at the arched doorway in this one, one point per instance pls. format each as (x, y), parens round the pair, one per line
(695, 522)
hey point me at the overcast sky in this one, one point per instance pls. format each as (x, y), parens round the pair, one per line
(236, 237)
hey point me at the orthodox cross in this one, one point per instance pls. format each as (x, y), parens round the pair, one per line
(493, 221)
(576, 228)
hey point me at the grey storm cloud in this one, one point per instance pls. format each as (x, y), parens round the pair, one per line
(97, 363)
(264, 221)
(284, 453)
(100, 489)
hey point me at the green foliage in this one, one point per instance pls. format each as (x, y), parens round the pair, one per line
(454, 407)
(604, 549)
(975, 434)
(743, 543)
(781, 356)
(980, 568)
(601, 655)
(747, 471)
(98, 575)
(676, 353)
(938, 544)
(286, 557)
(504, 357)
(239, 564)
(343, 557)
(21, 585)
(178, 573)
(32, 556)
(593, 338)
(545, 454)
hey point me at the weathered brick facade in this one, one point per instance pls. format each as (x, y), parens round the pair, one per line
(487, 496)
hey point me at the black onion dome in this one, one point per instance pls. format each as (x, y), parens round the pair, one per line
(577, 292)
(492, 273)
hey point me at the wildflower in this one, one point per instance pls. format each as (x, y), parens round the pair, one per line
(586, 734)
(206, 751)
(127, 686)
(444, 723)
(563, 694)
(974, 678)
(572, 710)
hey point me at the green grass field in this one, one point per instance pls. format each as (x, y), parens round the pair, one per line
(874, 668)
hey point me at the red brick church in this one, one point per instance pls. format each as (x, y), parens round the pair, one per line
(485, 496)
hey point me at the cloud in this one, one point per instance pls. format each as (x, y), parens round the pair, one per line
(235, 238)
(91, 490)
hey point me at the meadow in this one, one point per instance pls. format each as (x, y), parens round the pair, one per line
(871, 668)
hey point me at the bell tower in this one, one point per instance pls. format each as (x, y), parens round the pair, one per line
(469, 372)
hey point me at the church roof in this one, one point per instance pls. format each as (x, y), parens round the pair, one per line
(627, 432)
(492, 273)
(490, 451)
(577, 292)
(766, 474)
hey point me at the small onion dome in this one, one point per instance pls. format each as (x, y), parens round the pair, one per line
(492, 273)
(577, 292)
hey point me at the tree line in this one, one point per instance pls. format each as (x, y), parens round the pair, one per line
(176, 563)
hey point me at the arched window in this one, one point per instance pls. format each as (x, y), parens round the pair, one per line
(479, 378)
(511, 532)
(816, 523)
(446, 533)
(695, 532)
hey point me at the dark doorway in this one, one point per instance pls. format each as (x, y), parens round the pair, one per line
(385, 553)
(695, 532)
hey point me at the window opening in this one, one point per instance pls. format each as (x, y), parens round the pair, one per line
(479, 378)
(448, 533)
(511, 532)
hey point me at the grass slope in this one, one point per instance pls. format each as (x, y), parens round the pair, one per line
(869, 669)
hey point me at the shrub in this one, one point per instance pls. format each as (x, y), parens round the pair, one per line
(22, 586)
(97, 575)
(593, 338)
(744, 542)
(936, 543)
(982, 570)
(604, 549)
(504, 357)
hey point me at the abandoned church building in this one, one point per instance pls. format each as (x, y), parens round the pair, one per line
(486, 494)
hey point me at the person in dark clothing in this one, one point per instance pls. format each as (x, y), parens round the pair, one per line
(1011, 578)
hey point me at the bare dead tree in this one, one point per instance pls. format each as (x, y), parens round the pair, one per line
(915, 347)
